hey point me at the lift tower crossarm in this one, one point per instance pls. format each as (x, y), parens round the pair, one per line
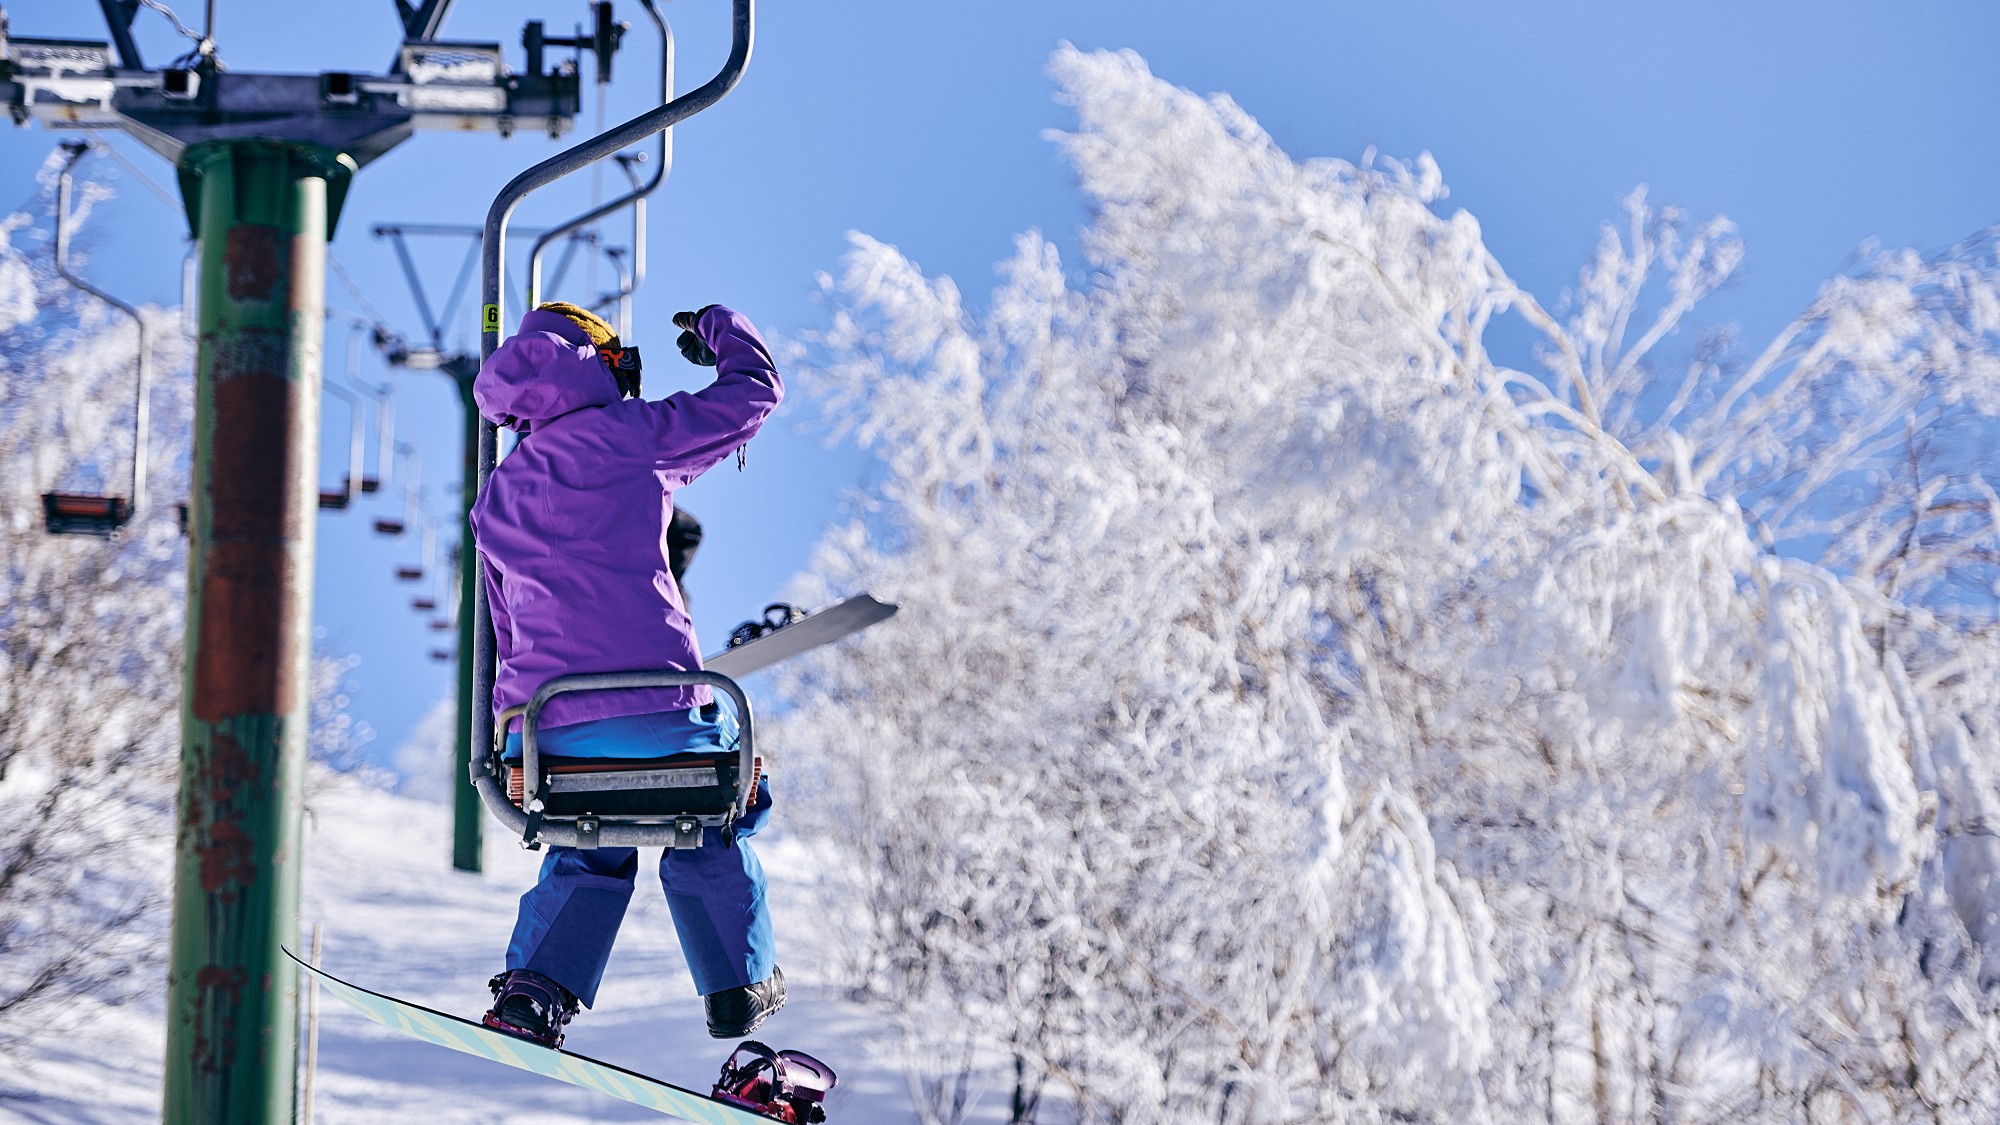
(420, 21)
(75, 83)
(118, 15)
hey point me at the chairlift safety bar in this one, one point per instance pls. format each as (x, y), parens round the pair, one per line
(564, 832)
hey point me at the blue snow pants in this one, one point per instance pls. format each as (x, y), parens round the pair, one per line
(715, 893)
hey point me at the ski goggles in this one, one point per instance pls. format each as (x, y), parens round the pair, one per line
(624, 364)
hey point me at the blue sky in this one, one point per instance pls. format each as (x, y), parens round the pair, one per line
(1814, 126)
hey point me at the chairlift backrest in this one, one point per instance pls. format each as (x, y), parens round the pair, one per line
(589, 803)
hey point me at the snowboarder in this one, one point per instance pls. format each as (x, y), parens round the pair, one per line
(573, 527)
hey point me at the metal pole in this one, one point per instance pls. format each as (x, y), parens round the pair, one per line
(261, 209)
(492, 267)
(312, 1032)
(467, 819)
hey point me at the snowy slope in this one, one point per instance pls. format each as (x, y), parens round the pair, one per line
(397, 919)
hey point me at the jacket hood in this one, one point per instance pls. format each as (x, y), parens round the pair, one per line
(545, 371)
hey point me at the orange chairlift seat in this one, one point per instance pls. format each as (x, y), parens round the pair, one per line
(84, 513)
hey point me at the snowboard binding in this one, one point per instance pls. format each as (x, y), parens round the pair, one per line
(528, 1005)
(787, 1086)
(777, 615)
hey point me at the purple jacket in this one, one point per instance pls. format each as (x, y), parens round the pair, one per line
(572, 524)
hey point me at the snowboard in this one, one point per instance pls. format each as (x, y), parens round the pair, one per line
(813, 630)
(577, 1070)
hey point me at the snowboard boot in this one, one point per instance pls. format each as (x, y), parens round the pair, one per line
(530, 1006)
(736, 1012)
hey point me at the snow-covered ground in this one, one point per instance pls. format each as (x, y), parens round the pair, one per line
(397, 919)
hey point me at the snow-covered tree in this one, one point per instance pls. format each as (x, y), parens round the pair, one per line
(1299, 714)
(90, 637)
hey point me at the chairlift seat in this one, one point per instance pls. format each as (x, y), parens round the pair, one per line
(620, 802)
(83, 513)
(409, 573)
(640, 790)
(371, 484)
(337, 501)
(425, 604)
(388, 527)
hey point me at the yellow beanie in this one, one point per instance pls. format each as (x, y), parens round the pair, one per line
(593, 325)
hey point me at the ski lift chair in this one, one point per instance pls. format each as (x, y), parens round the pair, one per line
(423, 605)
(385, 415)
(350, 486)
(441, 655)
(87, 513)
(415, 572)
(618, 802)
(413, 485)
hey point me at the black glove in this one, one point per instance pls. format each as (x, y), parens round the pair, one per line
(691, 345)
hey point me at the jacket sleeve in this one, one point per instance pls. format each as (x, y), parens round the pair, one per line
(503, 622)
(691, 431)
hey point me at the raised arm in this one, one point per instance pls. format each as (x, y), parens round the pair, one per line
(694, 430)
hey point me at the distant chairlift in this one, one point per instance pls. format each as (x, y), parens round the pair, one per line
(413, 473)
(443, 593)
(350, 486)
(86, 513)
(385, 426)
(416, 573)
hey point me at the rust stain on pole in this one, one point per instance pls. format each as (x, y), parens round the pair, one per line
(253, 262)
(249, 573)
